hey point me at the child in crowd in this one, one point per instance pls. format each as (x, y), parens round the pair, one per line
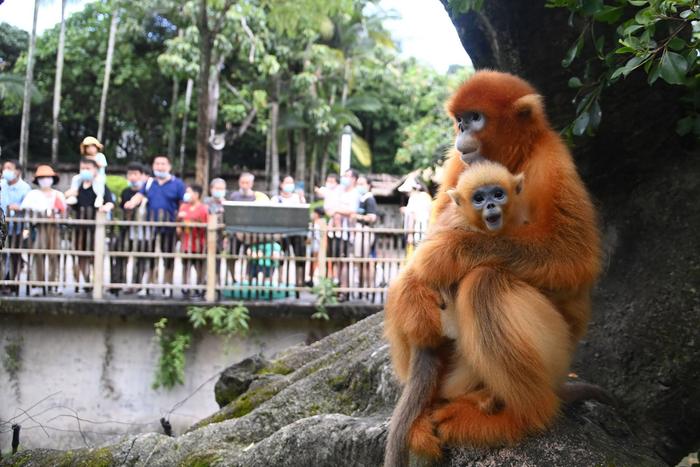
(90, 148)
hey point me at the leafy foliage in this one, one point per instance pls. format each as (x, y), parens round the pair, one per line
(660, 38)
(170, 370)
(325, 295)
(226, 321)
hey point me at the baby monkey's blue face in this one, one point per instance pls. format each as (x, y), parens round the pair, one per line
(490, 200)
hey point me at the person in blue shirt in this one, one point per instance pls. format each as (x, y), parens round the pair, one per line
(164, 192)
(12, 191)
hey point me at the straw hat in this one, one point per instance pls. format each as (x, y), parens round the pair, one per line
(45, 171)
(90, 141)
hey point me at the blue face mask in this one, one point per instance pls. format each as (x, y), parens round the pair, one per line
(160, 174)
(187, 197)
(362, 190)
(345, 181)
(218, 194)
(288, 187)
(9, 175)
(86, 175)
(136, 185)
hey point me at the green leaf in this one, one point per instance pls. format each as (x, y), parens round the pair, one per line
(571, 53)
(645, 16)
(609, 14)
(600, 44)
(596, 114)
(673, 68)
(686, 14)
(581, 123)
(638, 2)
(361, 151)
(591, 7)
(676, 44)
(631, 29)
(654, 72)
(575, 82)
(624, 50)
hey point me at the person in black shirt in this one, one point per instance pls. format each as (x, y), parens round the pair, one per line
(83, 238)
(130, 238)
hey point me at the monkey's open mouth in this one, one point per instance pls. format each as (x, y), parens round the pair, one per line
(494, 221)
(493, 218)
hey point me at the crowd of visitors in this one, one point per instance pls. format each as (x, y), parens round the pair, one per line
(170, 217)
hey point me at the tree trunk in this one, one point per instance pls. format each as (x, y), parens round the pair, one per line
(643, 340)
(108, 72)
(57, 86)
(28, 83)
(205, 51)
(213, 112)
(301, 157)
(268, 158)
(274, 151)
(288, 154)
(312, 173)
(183, 132)
(173, 119)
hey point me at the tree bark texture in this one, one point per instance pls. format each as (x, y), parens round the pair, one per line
(643, 341)
(57, 85)
(274, 150)
(108, 72)
(28, 84)
(183, 131)
(205, 51)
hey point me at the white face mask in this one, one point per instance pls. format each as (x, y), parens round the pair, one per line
(45, 182)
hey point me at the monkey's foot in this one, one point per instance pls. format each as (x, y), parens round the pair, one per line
(422, 439)
(461, 421)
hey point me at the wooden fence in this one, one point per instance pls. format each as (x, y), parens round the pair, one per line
(100, 257)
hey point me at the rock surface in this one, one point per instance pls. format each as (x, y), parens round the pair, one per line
(328, 404)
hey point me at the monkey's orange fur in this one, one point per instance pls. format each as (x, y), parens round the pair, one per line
(523, 297)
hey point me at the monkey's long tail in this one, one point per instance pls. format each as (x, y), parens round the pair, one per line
(416, 396)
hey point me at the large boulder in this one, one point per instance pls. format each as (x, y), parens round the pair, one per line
(328, 404)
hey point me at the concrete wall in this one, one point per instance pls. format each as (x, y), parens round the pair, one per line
(100, 367)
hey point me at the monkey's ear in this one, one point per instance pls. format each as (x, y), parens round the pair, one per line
(454, 196)
(519, 181)
(529, 106)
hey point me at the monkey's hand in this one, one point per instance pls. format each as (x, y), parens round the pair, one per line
(414, 307)
(447, 255)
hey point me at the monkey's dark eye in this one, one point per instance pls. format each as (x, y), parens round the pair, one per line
(499, 194)
(476, 116)
(478, 198)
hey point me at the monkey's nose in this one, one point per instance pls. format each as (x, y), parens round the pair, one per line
(490, 206)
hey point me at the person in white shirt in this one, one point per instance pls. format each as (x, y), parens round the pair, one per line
(289, 194)
(44, 202)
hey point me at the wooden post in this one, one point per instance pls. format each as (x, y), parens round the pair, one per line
(99, 264)
(322, 250)
(212, 226)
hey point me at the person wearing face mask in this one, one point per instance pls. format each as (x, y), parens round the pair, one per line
(245, 190)
(192, 239)
(288, 193)
(364, 240)
(12, 192)
(215, 202)
(292, 245)
(90, 148)
(164, 193)
(133, 238)
(44, 202)
(84, 208)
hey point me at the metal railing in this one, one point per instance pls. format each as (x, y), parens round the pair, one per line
(100, 258)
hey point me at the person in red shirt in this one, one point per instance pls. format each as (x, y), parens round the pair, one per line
(192, 239)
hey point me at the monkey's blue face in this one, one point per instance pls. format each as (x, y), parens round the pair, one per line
(468, 125)
(490, 200)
